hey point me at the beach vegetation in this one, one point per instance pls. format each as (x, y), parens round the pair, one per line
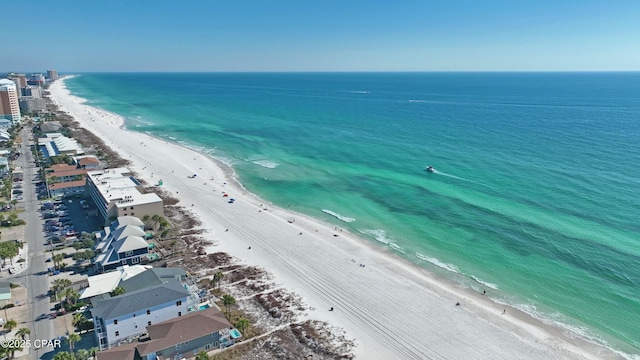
(242, 324)
(228, 301)
(118, 291)
(202, 355)
(217, 277)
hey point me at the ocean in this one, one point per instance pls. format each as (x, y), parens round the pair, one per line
(534, 197)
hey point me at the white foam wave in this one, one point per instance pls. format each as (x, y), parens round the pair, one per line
(418, 101)
(438, 263)
(172, 138)
(338, 216)
(396, 247)
(487, 284)
(266, 163)
(378, 234)
(360, 92)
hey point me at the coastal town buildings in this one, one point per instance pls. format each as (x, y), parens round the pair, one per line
(187, 335)
(32, 91)
(65, 180)
(116, 192)
(9, 105)
(87, 162)
(19, 79)
(55, 144)
(52, 75)
(107, 282)
(32, 104)
(124, 317)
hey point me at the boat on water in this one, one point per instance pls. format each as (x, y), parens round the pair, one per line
(430, 169)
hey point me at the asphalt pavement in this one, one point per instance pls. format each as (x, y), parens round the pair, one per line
(35, 278)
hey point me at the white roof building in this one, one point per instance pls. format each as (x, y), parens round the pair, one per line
(116, 192)
(107, 282)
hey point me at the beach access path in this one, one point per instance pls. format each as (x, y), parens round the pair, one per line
(391, 308)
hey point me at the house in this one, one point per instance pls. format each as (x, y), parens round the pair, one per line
(87, 162)
(118, 223)
(116, 192)
(128, 250)
(122, 352)
(50, 127)
(117, 234)
(187, 335)
(153, 276)
(67, 188)
(107, 282)
(5, 294)
(124, 317)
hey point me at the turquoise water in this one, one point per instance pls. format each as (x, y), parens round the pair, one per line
(535, 194)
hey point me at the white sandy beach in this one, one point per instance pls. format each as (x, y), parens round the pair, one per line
(392, 309)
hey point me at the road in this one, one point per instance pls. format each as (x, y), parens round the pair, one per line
(35, 278)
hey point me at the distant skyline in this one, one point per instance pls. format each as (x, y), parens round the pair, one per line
(328, 35)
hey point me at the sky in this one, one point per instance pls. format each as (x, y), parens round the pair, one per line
(320, 35)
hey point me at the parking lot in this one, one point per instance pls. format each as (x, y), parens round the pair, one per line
(68, 217)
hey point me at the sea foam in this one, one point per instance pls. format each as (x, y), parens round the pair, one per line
(438, 263)
(338, 216)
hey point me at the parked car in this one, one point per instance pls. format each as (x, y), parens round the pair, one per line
(12, 270)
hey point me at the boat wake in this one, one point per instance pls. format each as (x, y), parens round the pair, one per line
(338, 216)
(453, 176)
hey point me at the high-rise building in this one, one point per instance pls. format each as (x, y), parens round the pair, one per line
(31, 104)
(20, 80)
(52, 75)
(31, 90)
(9, 106)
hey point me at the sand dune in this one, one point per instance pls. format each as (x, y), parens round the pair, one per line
(392, 309)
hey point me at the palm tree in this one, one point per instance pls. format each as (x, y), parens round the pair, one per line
(59, 285)
(12, 348)
(71, 295)
(82, 354)
(57, 260)
(145, 219)
(217, 277)
(64, 355)
(78, 318)
(10, 325)
(23, 332)
(228, 300)
(93, 351)
(242, 324)
(155, 220)
(72, 340)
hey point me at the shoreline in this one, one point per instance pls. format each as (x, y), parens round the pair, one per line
(430, 325)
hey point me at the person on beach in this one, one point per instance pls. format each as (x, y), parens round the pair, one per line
(504, 311)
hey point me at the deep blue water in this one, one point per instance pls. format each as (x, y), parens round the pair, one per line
(535, 197)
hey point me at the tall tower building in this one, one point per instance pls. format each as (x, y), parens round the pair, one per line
(9, 106)
(52, 75)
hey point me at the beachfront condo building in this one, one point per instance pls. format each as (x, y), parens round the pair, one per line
(52, 75)
(33, 91)
(20, 80)
(9, 105)
(32, 104)
(116, 192)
